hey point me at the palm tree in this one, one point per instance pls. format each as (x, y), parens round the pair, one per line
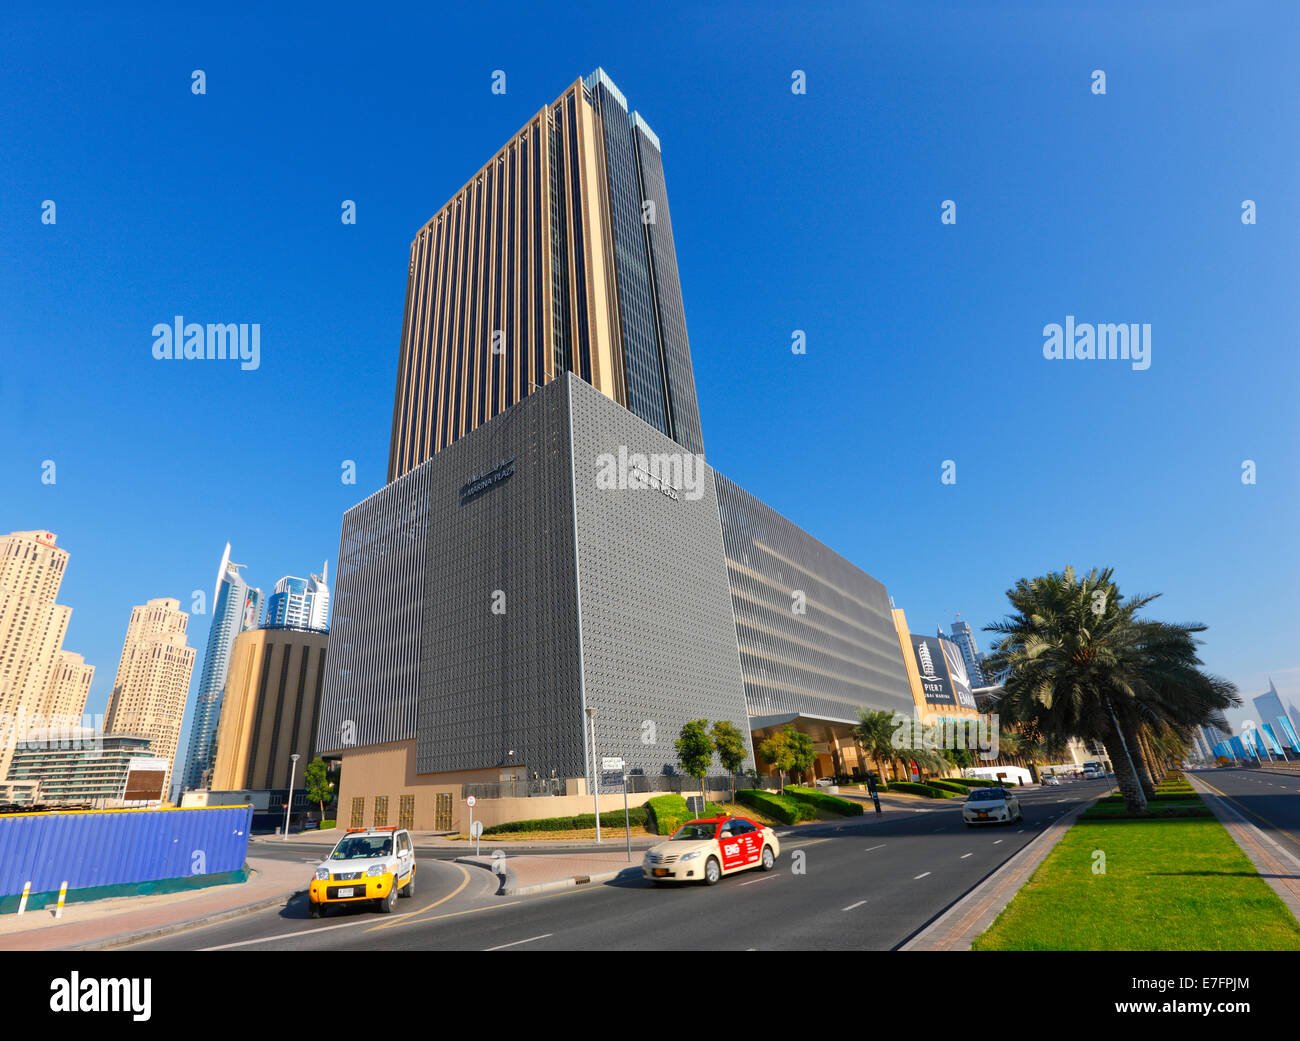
(875, 732)
(1081, 663)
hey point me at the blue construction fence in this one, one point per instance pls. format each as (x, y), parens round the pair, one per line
(101, 853)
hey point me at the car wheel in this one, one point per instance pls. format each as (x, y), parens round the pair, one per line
(712, 871)
(408, 890)
(386, 902)
(769, 858)
(316, 909)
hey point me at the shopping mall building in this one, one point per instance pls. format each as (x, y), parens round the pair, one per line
(553, 581)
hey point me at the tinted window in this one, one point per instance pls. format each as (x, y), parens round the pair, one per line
(986, 795)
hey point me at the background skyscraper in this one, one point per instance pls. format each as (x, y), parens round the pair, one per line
(300, 603)
(153, 677)
(236, 607)
(35, 674)
(556, 256)
(964, 638)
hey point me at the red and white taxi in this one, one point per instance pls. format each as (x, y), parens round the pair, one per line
(705, 850)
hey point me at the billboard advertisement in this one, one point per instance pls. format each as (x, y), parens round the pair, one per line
(957, 674)
(943, 672)
(930, 662)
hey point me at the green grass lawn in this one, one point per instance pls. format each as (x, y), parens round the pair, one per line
(1170, 885)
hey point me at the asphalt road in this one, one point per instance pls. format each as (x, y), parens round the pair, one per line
(867, 883)
(1267, 800)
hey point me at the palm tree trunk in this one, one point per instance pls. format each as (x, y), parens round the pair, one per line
(1126, 776)
(1133, 737)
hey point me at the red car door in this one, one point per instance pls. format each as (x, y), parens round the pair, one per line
(733, 850)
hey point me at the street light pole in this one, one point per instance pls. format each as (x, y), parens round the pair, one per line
(627, 820)
(288, 805)
(595, 775)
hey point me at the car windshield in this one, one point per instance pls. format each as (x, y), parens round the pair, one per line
(359, 847)
(986, 795)
(694, 831)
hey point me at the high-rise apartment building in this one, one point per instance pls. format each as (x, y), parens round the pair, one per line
(964, 638)
(300, 603)
(153, 677)
(236, 607)
(70, 679)
(34, 673)
(557, 256)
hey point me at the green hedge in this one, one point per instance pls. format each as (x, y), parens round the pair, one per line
(612, 819)
(949, 785)
(785, 808)
(824, 801)
(974, 782)
(913, 788)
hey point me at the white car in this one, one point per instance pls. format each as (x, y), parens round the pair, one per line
(1051, 779)
(991, 806)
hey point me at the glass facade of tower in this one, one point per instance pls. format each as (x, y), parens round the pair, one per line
(299, 603)
(556, 256)
(236, 607)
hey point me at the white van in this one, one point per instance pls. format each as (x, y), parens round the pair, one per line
(1006, 774)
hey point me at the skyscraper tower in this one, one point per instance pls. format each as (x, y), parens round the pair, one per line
(236, 607)
(300, 603)
(153, 678)
(964, 638)
(556, 256)
(36, 675)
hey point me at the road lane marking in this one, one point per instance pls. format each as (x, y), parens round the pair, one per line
(996, 841)
(965, 855)
(463, 883)
(852, 906)
(921, 876)
(503, 946)
(765, 878)
(881, 846)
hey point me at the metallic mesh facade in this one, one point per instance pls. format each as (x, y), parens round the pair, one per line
(496, 681)
(658, 637)
(542, 264)
(372, 666)
(841, 654)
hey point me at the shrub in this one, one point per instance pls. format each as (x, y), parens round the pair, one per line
(974, 782)
(611, 819)
(823, 801)
(784, 808)
(913, 788)
(949, 785)
(666, 813)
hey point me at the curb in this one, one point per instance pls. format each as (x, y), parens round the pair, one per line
(974, 912)
(510, 888)
(157, 932)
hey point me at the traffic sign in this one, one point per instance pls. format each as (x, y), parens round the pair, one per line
(476, 829)
(470, 800)
(612, 763)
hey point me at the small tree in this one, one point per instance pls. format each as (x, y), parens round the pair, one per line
(730, 744)
(695, 752)
(779, 751)
(318, 785)
(805, 753)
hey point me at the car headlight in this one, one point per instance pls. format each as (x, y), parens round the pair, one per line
(377, 869)
(322, 874)
(690, 856)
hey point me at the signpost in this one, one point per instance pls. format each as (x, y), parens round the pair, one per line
(476, 832)
(470, 801)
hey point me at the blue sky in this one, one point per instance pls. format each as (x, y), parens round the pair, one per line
(818, 212)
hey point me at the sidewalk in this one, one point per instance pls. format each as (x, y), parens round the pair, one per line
(102, 924)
